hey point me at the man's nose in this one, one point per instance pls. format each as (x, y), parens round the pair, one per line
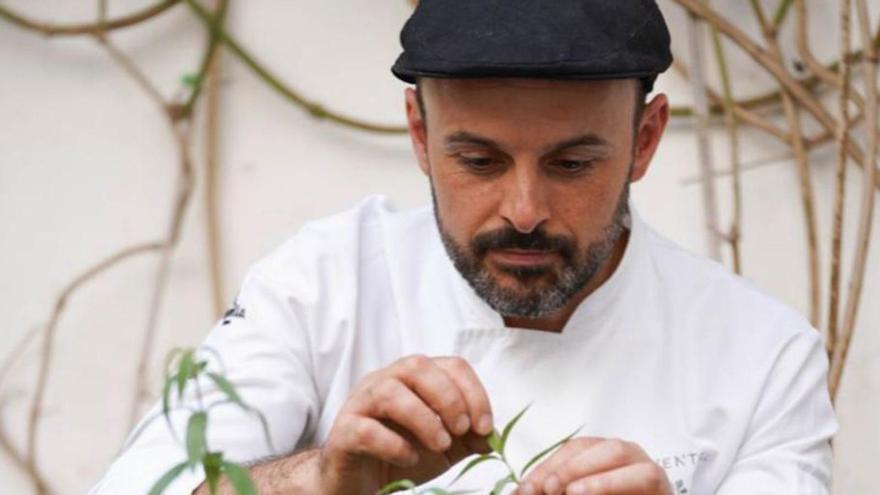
(525, 203)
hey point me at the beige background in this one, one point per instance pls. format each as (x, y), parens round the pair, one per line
(87, 166)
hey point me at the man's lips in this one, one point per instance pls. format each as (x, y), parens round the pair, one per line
(521, 256)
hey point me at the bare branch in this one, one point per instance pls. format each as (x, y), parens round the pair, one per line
(842, 137)
(50, 29)
(315, 109)
(866, 210)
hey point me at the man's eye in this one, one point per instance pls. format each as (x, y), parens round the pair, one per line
(570, 166)
(479, 163)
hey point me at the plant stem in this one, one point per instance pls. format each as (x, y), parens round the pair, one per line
(294, 97)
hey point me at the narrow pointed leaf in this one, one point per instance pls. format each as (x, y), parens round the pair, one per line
(396, 486)
(212, 476)
(478, 460)
(546, 451)
(494, 441)
(195, 437)
(167, 478)
(500, 484)
(240, 479)
(509, 427)
(187, 363)
(265, 426)
(227, 388)
(166, 394)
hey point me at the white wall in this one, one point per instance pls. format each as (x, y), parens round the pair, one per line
(87, 166)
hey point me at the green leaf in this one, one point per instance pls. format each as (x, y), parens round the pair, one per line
(212, 463)
(195, 437)
(500, 484)
(478, 460)
(396, 486)
(509, 427)
(227, 388)
(240, 479)
(167, 478)
(547, 451)
(185, 370)
(494, 441)
(265, 426)
(166, 395)
(441, 491)
(190, 80)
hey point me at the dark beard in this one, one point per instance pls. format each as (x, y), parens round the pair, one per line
(537, 300)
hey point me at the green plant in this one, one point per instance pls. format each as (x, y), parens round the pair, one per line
(497, 442)
(187, 368)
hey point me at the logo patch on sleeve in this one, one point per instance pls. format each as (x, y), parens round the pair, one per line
(236, 311)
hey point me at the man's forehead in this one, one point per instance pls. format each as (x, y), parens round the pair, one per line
(524, 87)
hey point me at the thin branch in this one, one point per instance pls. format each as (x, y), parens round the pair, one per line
(45, 365)
(866, 211)
(17, 352)
(212, 182)
(840, 183)
(741, 111)
(765, 59)
(133, 71)
(826, 74)
(315, 109)
(746, 166)
(733, 134)
(781, 13)
(184, 194)
(50, 29)
(793, 117)
(701, 125)
(41, 486)
(208, 58)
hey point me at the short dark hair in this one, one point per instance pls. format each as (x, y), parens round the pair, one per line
(641, 95)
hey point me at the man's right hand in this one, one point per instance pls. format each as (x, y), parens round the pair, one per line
(413, 419)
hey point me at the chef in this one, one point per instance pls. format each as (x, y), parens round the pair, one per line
(384, 345)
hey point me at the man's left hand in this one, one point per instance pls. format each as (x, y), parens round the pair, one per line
(597, 466)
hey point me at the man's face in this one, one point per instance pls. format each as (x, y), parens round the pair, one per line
(530, 180)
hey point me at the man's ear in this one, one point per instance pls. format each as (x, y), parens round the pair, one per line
(418, 134)
(655, 116)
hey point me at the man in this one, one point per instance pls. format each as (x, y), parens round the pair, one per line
(384, 345)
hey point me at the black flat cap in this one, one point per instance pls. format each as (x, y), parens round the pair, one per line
(551, 39)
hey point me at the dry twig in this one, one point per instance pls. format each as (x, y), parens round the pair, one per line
(866, 210)
(842, 136)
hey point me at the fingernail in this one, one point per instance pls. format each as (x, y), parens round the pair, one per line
(462, 425)
(577, 489)
(551, 486)
(485, 425)
(444, 440)
(413, 459)
(526, 489)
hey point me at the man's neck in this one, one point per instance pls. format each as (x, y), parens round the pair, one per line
(556, 322)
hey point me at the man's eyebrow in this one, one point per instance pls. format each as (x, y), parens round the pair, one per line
(589, 139)
(464, 137)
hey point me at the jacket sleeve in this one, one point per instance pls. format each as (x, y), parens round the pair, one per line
(264, 347)
(787, 449)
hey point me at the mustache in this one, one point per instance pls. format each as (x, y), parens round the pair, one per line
(510, 238)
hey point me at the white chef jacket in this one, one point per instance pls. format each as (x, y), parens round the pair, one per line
(724, 387)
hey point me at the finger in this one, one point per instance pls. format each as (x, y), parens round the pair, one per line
(644, 478)
(479, 408)
(369, 437)
(599, 457)
(544, 474)
(437, 389)
(391, 399)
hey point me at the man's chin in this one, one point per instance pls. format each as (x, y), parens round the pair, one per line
(522, 279)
